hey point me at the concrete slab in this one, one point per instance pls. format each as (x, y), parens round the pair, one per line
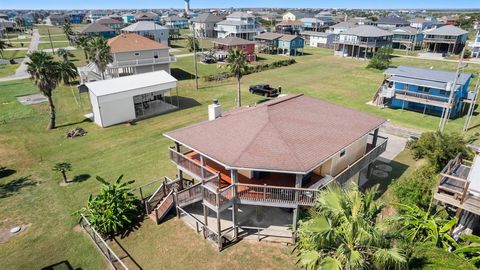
(395, 145)
(32, 99)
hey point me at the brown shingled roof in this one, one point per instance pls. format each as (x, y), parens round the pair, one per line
(290, 134)
(130, 42)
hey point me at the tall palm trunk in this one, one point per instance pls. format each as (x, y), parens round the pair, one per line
(51, 125)
(239, 96)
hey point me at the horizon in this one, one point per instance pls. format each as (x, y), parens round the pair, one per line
(216, 4)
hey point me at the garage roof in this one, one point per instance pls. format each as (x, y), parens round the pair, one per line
(133, 82)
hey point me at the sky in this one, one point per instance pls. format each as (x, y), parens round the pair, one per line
(146, 4)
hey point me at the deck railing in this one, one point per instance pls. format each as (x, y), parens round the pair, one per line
(190, 194)
(440, 39)
(421, 95)
(276, 194)
(218, 197)
(196, 169)
(141, 62)
(362, 162)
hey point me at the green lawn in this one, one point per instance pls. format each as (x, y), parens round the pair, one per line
(54, 38)
(17, 44)
(14, 54)
(32, 194)
(45, 29)
(180, 45)
(7, 70)
(48, 45)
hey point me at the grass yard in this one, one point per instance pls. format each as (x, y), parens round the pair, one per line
(43, 30)
(180, 45)
(31, 194)
(8, 69)
(14, 54)
(48, 45)
(18, 44)
(54, 38)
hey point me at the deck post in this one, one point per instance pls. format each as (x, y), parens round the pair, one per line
(234, 177)
(298, 184)
(375, 137)
(219, 229)
(205, 216)
(179, 172)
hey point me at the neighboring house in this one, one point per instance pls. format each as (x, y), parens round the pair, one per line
(278, 155)
(267, 42)
(3, 16)
(223, 45)
(150, 30)
(111, 23)
(93, 29)
(362, 41)
(25, 20)
(204, 25)
(175, 22)
(449, 20)
(423, 89)
(315, 24)
(424, 24)
(289, 27)
(293, 16)
(390, 22)
(94, 15)
(147, 16)
(76, 18)
(319, 39)
(361, 21)
(407, 38)
(341, 27)
(475, 45)
(239, 24)
(57, 19)
(116, 17)
(7, 25)
(128, 18)
(126, 99)
(291, 45)
(325, 16)
(447, 39)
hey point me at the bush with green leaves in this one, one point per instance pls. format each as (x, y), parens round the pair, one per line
(417, 187)
(381, 60)
(439, 148)
(114, 209)
(469, 248)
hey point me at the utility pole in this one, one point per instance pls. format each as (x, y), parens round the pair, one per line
(452, 85)
(471, 108)
(195, 58)
(50, 38)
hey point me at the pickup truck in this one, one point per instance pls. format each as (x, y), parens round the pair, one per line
(265, 90)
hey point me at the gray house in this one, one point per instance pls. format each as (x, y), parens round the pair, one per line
(150, 30)
(390, 22)
(407, 38)
(362, 41)
(204, 25)
(447, 39)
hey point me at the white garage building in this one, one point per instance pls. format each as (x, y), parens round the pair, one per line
(132, 97)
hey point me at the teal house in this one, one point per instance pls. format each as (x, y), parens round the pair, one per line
(291, 45)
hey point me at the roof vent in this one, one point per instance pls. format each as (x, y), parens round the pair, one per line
(214, 110)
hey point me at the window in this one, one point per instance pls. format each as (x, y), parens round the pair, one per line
(343, 152)
(423, 89)
(155, 55)
(137, 54)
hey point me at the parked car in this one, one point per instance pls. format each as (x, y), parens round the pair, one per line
(265, 90)
(209, 60)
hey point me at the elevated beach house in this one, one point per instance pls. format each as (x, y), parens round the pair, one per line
(239, 24)
(445, 40)
(362, 41)
(176, 22)
(223, 45)
(111, 23)
(255, 167)
(424, 90)
(149, 29)
(319, 39)
(96, 29)
(390, 22)
(204, 25)
(476, 46)
(280, 43)
(289, 27)
(407, 38)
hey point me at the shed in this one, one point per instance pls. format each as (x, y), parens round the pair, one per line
(132, 97)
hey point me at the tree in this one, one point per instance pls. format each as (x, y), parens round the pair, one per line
(64, 53)
(99, 53)
(469, 248)
(114, 209)
(67, 29)
(82, 42)
(191, 42)
(381, 59)
(342, 233)
(416, 225)
(45, 73)
(417, 187)
(63, 168)
(3, 46)
(439, 148)
(237, 65)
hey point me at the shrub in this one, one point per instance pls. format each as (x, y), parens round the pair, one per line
(381, 59)
(417, 187)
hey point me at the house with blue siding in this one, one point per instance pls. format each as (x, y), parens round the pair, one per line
(406, 38)
(76, 18)
(291, 45)
(96, 29)
(424, 90)
(175, 22)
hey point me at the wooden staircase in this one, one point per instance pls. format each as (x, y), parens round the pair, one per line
(163, 207)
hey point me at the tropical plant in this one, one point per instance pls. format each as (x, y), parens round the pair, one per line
(417, 187)
(469, 248)
(63, 168)
(3, 46)
(68, 71)
(67, 29)
(416, 225)
(440, 147)
(192, 44)
(381, 59)
(114, 209)
(64, 53)
(45, 73)
(82, 42)
(99, 54)
(237, 65)
(342, 233)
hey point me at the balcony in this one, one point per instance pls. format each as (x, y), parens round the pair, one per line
(143, 62)
(422, 98)
(370, 44)
(440, 39)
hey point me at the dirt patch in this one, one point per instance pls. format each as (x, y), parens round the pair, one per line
(5, 233)
(68, 183)
(78, 229)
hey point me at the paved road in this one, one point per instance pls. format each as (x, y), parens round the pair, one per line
(21, 72)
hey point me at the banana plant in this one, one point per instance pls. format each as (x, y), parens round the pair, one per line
(469, 248)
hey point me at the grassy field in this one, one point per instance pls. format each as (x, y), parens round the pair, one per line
(14, 54)
(54, 38)
(180, 45)
(42, 46)
(31, 193)
(43, 30)
(17, 44)
(7, 70)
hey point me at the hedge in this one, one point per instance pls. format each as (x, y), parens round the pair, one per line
(251, 69)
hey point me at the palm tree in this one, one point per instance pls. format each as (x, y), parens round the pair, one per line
(68, 73)
(63, 168)
(67, 29)
(342, 233)
(419, 226)
(3, 46)
(237, 66)
(192, 44)
(99, 53)
(82, 42)
(64, 53)
(45, 73)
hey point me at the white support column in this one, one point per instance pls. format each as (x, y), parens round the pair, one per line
(234, 176)
(298, 184)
